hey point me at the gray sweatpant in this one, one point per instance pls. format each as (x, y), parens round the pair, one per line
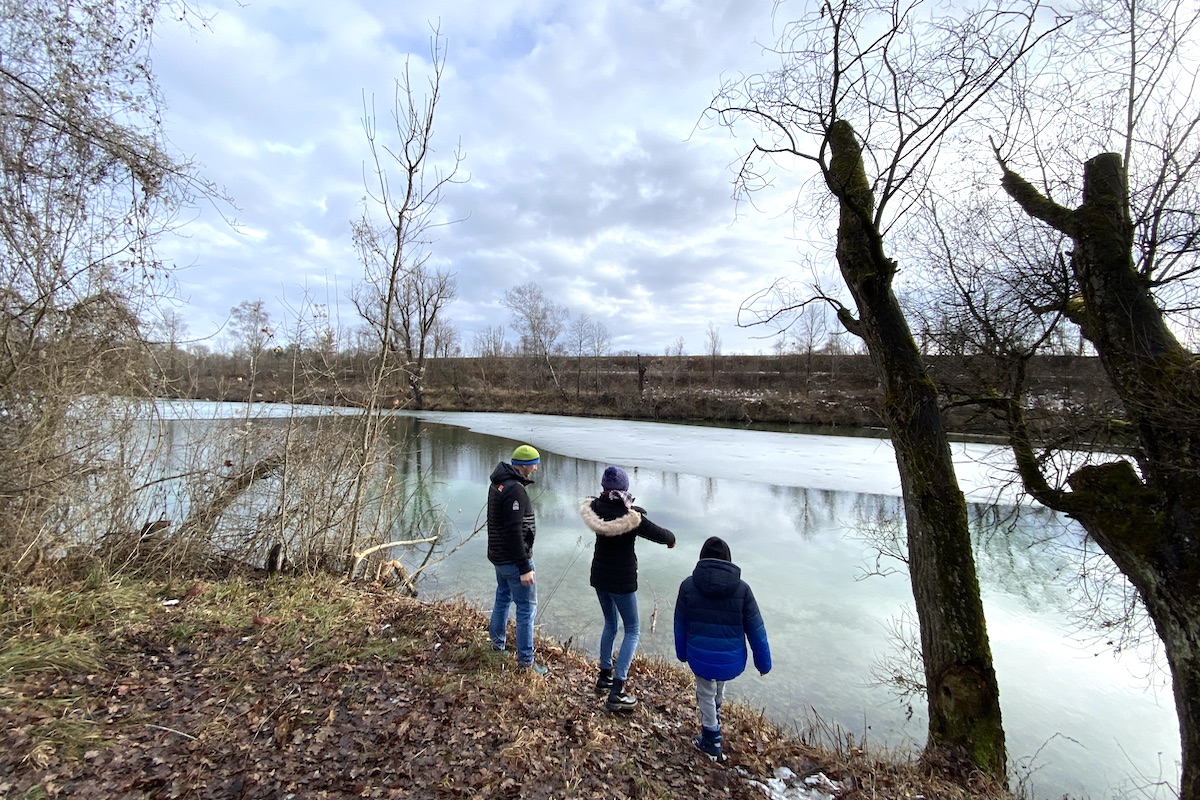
(709, 695)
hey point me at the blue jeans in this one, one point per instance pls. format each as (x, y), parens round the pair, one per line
(626, 606)
(509, 590)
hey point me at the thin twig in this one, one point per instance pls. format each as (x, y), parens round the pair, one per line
(580, 546)
(172, 730)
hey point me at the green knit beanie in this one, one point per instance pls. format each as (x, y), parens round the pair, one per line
(525, 455)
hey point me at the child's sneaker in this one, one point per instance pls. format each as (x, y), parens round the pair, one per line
(709, 743)
(604, 682)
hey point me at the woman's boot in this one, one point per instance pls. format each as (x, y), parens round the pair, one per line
(604, 682)
(618, 700)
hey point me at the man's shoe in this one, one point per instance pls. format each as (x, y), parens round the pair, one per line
(618, 700)
(535, 668)
(604, 682)
(709, 743)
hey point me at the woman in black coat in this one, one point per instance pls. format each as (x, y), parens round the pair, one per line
(617, 523)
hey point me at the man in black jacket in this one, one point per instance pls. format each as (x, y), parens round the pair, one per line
(511, 531)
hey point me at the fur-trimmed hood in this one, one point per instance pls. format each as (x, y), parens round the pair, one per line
(625, 523)
(617, 528)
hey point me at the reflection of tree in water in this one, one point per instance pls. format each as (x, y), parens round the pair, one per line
(796, 503)
(878, 521)
(407, 491)
(1029, 553)
(1047, 560)
(815, 512)
(668, 483)
(1025, 552)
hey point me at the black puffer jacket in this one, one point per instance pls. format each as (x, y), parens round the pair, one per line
(510, 522)
(614, 564)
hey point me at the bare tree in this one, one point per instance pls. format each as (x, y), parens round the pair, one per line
(904, 79)
(444, 338)
(812, 324)
(401, 294)
(489, 342)
(800, 313)
(579, 334)
(250, 328)
(598, 347)
(167, 335)
(601, 341)
(327, 341)
(414, 320)
(87, 186)
(489, 347)
(712, 348)
(672, 362)
(539, 321)
(1131, 259)
(170, 330)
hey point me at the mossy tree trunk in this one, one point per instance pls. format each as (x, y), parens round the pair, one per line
(962, 693)
(1144, 519)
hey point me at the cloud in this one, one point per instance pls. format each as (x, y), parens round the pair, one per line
(586, 170)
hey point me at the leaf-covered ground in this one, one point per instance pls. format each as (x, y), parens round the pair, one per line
(311, 688)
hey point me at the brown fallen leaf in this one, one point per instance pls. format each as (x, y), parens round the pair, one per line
(276, 714)
(283, 731)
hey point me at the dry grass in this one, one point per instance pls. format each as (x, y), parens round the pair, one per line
(262, 688)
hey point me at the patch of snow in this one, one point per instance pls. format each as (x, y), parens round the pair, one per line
(786, 785)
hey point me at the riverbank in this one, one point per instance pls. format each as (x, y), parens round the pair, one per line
(823, 390)
(256, 688)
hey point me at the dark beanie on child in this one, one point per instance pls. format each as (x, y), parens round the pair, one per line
(715, 547)
(615, 478)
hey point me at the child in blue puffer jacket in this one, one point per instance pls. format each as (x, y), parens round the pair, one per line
(715, 614)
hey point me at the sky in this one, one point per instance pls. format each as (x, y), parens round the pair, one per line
(589, 169)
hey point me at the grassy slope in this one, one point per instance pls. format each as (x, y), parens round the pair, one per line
(314, 688)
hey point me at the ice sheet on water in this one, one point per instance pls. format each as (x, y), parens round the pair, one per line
(837, 463)
(848, 463)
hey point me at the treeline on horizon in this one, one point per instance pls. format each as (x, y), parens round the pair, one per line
(819, 389)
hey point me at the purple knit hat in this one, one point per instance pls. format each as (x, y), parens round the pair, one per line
(615, 478)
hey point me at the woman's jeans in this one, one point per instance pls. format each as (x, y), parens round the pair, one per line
(509, 590)
(626, 606)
